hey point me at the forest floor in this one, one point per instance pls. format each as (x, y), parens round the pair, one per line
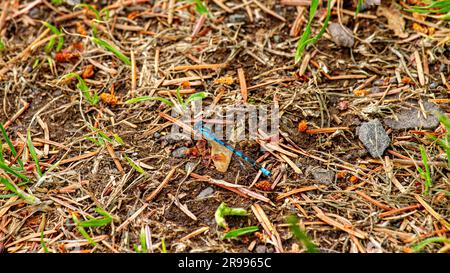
(346, 163)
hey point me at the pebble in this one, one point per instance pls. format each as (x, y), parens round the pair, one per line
(237, 18)
(433, 85)
(341, 35)
(323, 176)
(413, 118)
(189, 167)
(205, 193)
(374, 137)
(180, 152)
(261, 249)
(177, 137)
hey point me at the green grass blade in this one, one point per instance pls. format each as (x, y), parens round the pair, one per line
(196, 96)
(112, 49)
(92, 99)
(97, 222)
(179, 97)
(163, 246)
(10, 145)
(49, 46)
(134, 165)
(33, 153)
(143, 240)
(240, 231)
(91, 8)
(8, 169)
(82, 230)
(301, 235)
(428, 241)
(30, 199)
(304, 40)
(426, 174)
(42, 227)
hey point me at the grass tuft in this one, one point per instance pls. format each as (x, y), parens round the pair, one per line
(305, 39)
(301, 235)
(425, 174)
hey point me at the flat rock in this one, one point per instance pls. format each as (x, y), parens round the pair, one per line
(414, 118)
(322, 175)
(205, 193)
(374, 137)
(341, 35)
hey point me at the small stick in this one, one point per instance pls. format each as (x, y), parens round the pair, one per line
(419, 68)
(182, 207)
(184, 79)
(20, 112)
(291, 164)
(162, 185)
(269, 11)
(46, 135)
(297, 25)
(3, 16)
(439, 100)
(109, 70)
(114, 157)
(156, 65)
(295, 2)
(195, 233)
(133, 74)
(132, 217)
(249, 10)
(390, 174)
(221, 4)
(170, 14)
(198, 25)
(200, 66)
(77, 158)
(432, 211)
(173, 92)
(268, 227)
(373, 201)
(325, 130)
(242, 84)
(299, 190)
(400, 210)
(304, 64)
(47, 141)
(367, 82)
(321, 215)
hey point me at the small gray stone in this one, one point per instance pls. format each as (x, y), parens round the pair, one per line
(180, 152)
(413, 118)
(189, 167)
(205, 193)
(261, 249)
(341, 35)
(323, 176)
(237, 18)
(374, 137)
